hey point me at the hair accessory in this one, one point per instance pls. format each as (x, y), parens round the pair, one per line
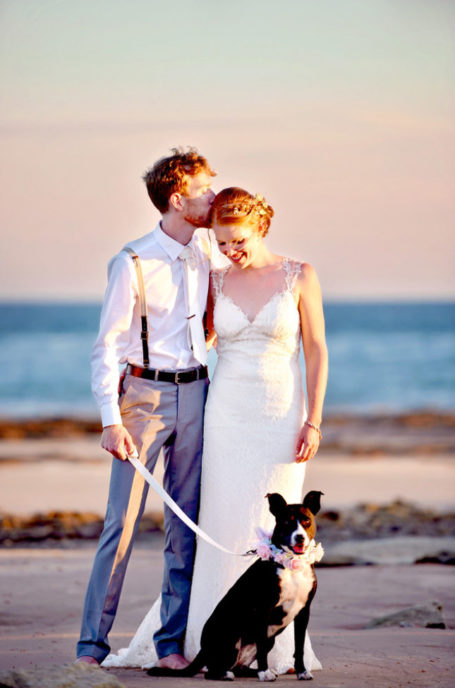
(260, 204)
(243, 208)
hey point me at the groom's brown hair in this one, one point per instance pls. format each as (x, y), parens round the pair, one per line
(170, 175)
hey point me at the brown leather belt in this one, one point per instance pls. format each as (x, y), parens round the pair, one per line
(178, 377)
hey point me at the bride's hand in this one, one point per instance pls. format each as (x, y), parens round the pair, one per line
(307, 444)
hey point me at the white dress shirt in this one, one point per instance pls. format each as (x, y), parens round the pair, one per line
(119, 341)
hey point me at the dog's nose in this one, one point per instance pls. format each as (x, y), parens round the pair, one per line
(299, 539)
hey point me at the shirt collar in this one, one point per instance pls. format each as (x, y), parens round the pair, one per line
(172, 247)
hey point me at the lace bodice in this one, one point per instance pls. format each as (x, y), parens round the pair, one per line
(276, 325)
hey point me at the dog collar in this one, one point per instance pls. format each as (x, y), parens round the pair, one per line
(266, 551)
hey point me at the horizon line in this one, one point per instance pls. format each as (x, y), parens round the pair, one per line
(331, 300)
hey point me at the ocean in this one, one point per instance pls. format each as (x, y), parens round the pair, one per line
(384, 358)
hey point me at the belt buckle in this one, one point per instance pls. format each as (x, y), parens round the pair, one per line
(177, 378)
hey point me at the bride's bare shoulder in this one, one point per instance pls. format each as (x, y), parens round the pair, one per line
(303, 270)
(306, 270)
(307, 278)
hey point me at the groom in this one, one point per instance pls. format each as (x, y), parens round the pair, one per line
(162, 400)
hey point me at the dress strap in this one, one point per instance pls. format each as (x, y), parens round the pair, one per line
(218, 280)
(291, 270)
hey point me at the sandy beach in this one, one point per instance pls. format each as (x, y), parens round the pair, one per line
(43, 586)
(43, 589)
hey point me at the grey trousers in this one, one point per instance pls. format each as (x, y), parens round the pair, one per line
(157, 415)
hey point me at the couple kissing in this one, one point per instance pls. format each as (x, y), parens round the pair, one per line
(204, 276)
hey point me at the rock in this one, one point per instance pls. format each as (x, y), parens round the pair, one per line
(442, 557)
(60, 676)
(386, 551)
(48, 427)
(427, 615)
(366, 521)
(62, 525)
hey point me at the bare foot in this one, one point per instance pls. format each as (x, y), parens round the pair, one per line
(173, 661)
(86, 659)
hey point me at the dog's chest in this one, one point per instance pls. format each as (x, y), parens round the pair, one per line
(295, 587)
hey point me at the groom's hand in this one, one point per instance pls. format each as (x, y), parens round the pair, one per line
(117, 441)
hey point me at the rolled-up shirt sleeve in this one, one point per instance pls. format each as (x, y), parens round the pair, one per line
(111, 344)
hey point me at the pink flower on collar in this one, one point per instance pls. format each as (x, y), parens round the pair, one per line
(263, 551)
(266, 551)
(281, 558)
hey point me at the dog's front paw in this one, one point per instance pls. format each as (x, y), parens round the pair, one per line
(305, 676)
(267, 675)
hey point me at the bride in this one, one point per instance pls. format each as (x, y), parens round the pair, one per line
(257, 433)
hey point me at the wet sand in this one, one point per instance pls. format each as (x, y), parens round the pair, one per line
(58, 464)
(73, 475)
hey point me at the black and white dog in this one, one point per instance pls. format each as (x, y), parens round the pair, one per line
(275, 590)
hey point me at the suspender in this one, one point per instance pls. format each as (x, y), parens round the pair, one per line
(143, 302)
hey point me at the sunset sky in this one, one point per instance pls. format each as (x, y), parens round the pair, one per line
(341, 112)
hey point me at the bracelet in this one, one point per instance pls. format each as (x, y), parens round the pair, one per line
(315, 427)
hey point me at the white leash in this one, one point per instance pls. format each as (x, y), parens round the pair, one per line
(148, 477)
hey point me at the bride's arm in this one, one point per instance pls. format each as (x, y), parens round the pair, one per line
(316, 358)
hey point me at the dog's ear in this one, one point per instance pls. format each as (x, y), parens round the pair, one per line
(277, 503)
(312, 501)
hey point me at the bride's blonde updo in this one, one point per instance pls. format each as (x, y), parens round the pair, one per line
(235, 206)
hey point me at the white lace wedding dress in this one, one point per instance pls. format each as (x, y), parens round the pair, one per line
(254, 410)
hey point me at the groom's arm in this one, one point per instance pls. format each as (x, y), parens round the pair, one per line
(210, 334)
(110, 350)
